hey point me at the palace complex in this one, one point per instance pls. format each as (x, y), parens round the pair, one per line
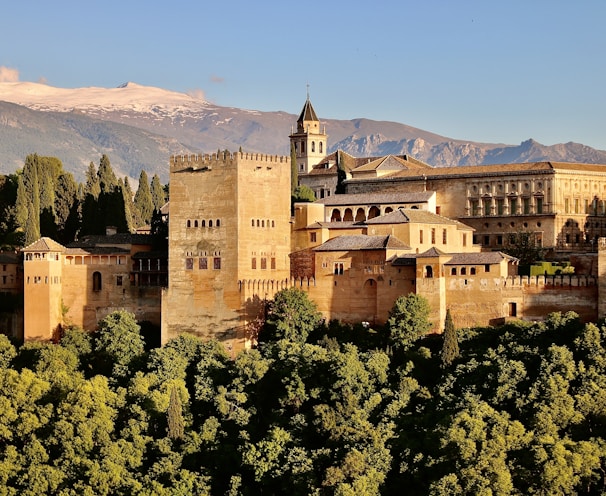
(381, 227)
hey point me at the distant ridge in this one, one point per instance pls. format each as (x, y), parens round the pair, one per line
(139, 127)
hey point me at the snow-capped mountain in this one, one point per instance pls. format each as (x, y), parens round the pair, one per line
(139, 127)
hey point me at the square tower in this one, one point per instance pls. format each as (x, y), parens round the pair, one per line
(229, 243)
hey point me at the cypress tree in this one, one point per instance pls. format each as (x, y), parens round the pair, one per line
(21, 203)
(129, 206)
(294, 172)
(92, 182)
(144, 206)
(174, 415)
(157, 193)
(450, 346)
(107, 178)
(32, 226)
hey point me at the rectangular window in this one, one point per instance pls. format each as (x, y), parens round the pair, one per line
(513, 206)
(444, 236)
(486, 268)
(339, 268)
(118, 280)
(217, 263)
(189, 263)
(203, 263)
(539, 205)
(312, 237)
(576, 206)
(566, 206)
(526, 205)
(487, 205)
(474, 207)
(254, 263)
(464, 239)
(273, 263)
(263, 263)
(486, 240)
(499, 239)
(500, 206)
(421, 236)
(3, 279)
(586, 206)
(433, 235)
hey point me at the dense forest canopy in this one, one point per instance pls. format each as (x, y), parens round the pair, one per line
(42, 199)
(332, 409)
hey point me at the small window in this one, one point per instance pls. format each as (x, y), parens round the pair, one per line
(210, 223)
(453, 271)
(203, 223)
(189, 264)
(486, 268)
(444, 236)
(463, 271)
(253, 263)
(188, 223)
(217, 263)
(338, 269)
(433, 235)
(263, 263)
(118, 280)
(252, 222)
(428, 271)
(97, 282)
(312, 237)
(196, 223)
(273, 263)
(203, 263)
(472, 271)
(218, 224)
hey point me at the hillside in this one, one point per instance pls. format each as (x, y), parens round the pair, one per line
(139, 127)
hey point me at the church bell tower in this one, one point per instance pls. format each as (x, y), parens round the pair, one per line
(309, 141)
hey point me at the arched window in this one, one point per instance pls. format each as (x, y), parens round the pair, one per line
(472, 271)
(218, 224)
(188, 223)
(313, 147)
(97, 283)
(428, 271)
(210, 223)
(196, 223)
(203, 223)
(336, 215)
(320, 145)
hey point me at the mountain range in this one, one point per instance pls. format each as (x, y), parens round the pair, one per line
(139, 127)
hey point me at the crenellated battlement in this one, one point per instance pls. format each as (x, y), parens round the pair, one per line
(222, 159)
(550, 282)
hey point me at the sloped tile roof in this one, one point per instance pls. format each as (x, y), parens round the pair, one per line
(44, 244)
(96, 250)
(393, 162)
(361, 242)
(413, 216)
(308, 113)
(481, 258)
(432, 252)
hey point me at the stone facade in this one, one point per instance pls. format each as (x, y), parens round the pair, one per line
(229, 228)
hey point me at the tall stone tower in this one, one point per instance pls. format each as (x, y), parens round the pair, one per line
(42, 277)
(229, 243)
(308, 140)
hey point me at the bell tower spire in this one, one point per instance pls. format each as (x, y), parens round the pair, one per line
(308, 140)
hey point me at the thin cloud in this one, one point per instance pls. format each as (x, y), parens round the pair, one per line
(217, 79)
(197, 93)
(8, 75)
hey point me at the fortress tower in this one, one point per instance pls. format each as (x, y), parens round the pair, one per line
(308, 140)
(229, 235)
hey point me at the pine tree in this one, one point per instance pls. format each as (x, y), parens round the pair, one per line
(450, 346)
(175, 415)
(157, 193)
(129, 206)
(144, 206)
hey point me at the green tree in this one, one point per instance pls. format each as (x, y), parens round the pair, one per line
(292, 315)
(119, 343)
(157, 193)
(294, 170)
(303, 193)
(450, 346)
(174, 415)
(32, 226)
(22, 203)
(523, 245)
(408, 320)
(107, 177)
(144, 206)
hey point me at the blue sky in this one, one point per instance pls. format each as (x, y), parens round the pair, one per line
(498, 72)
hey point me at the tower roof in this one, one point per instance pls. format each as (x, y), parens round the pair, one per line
(307, 114)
